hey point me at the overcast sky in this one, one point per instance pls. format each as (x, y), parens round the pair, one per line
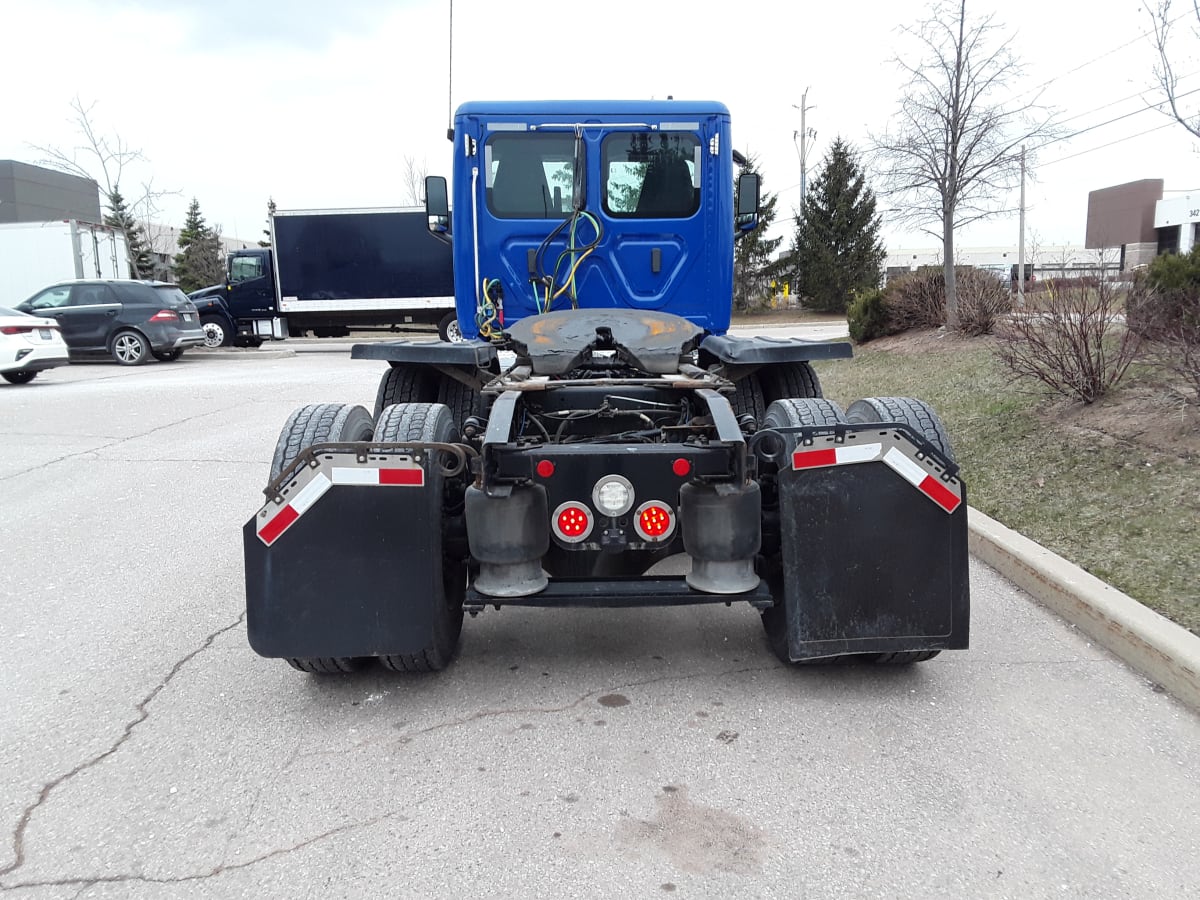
(316, 104)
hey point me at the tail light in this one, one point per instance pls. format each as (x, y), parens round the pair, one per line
(165, 315)
(572, 522)
(19, 329)
(654, 521)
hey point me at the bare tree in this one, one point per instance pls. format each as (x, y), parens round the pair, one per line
(412, 179)
(107, 160)
(1162, 23)
(953, 151)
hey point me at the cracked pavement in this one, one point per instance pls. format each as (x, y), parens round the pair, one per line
(147, 752)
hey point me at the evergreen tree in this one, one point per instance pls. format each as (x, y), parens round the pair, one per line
(266, 242)
(141, 263)
(199, 262)
(753, 266)
(837, 249)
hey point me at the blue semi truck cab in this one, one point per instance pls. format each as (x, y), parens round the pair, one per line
(594, 205)
(600, 439)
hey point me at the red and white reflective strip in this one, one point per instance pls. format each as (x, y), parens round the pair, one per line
(285, 516)
(836, 456)
(411, 476)
(947, 496)
(922, 480)
(300, 502)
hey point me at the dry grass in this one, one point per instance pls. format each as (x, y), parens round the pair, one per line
(1113, 486)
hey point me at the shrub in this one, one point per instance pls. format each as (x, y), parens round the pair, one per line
(982, 300)
(1074, 344)
(868, 316)
(918, 300)
(1164, 308)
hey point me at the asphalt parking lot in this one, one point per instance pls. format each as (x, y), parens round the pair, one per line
(146, 751)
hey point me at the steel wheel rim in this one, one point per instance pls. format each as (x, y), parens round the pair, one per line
(128, 348)
(454, 333)
(214, 335)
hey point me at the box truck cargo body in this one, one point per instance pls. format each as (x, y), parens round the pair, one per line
(34, 255)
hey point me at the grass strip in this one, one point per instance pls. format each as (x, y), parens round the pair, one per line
(1127, 513)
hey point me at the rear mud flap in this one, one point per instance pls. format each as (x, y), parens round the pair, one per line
(347, 563)
(874, 547)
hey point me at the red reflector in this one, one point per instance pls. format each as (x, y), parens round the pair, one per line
(654, 521)
(808, 459)
(402, 476)
(278, 525)
(942, 496)
(17, 329)
(681, 467)
(165, 315)
(545, 468)
(574, 521)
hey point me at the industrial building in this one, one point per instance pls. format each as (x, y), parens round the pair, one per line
(30, 193)
(1135, 219)
(36, 194)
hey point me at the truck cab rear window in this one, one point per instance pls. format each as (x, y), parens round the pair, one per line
(651, 176)
(529, 176)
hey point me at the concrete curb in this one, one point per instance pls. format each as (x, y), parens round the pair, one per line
(1158, 648)
(252, 355)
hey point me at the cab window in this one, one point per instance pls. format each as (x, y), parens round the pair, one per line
(651, 176)
(243, 268)
(529, 176)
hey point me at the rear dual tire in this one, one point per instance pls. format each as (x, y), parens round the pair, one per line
(341, 422)
(918, 416)
(429, 422)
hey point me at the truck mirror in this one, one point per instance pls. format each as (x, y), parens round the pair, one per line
(437, 203)
(747, 202)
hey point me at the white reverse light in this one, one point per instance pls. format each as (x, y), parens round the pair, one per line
(613, 495)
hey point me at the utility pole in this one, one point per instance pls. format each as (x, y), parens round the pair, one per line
(1021, 239)
(803, 133)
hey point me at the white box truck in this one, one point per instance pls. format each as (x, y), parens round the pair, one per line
(36, 254)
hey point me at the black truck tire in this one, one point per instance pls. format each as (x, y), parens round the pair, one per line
(919, 416)
(405, 384)
(429, 422)
(916, 414)
(789, 380)
(216, 332)
(771, 383)
(326, 665)
(22, 377)
(448, 329)
(792, 413)
(318, 423)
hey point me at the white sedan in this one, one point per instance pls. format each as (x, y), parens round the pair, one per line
(28, 344)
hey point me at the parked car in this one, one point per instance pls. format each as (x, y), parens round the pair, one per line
(130, 320)
(28, 344)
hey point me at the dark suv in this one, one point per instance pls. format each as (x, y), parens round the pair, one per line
(130, 320)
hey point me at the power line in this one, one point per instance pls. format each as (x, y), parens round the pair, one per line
(1129, 137)
(1111, 121)
(1118, 102)
(1105, 55)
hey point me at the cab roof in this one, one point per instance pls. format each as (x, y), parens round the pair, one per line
(592, 108)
